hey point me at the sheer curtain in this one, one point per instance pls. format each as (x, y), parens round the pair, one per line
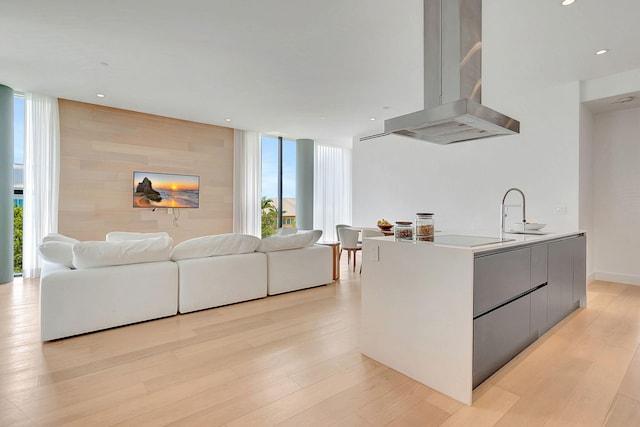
(42, 175)
(247, 171)
(331, 189)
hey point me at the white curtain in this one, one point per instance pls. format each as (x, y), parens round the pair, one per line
(331, 189)
(42, 176)
(247, 173)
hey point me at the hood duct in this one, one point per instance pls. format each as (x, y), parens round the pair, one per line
(453, 111)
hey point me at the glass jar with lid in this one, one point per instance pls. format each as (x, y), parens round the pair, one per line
(403, 230)
(425, 227)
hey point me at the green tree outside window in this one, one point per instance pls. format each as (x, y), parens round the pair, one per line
(17, 239)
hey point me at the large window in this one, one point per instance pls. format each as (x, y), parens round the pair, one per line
(18, 180)
(278, 184)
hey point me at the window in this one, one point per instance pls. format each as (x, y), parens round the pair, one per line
(278, 184)
(18, 180)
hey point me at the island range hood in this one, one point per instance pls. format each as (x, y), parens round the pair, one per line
(453, 111)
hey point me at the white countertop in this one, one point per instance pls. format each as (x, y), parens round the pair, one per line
(515, 239)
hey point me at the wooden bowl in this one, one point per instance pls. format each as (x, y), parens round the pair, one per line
(385, 227)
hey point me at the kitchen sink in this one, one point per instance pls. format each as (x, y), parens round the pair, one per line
(537, 232)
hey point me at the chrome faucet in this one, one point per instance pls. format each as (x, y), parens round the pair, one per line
(503, 209)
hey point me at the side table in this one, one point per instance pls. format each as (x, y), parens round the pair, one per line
(335, 246)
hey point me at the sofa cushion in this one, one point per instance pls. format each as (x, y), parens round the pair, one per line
(119, 236)
(56, 237)
(57, 252)
(315, 236)
(215, 245)
(104, 254)
(285, 231)
(283, 243)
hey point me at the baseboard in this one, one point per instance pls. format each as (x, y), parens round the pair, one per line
(627, 279)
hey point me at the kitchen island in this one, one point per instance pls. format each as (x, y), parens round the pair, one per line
(450, 314)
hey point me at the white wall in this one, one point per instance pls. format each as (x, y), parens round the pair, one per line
(463, 183)
(586, 177)
(616, 196)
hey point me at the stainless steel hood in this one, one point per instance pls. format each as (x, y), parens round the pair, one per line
(452, 80)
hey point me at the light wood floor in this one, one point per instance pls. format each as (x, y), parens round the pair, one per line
(293, 360)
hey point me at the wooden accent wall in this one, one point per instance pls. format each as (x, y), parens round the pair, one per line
(101, 147)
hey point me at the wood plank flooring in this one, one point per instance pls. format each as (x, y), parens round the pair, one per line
(293, 360)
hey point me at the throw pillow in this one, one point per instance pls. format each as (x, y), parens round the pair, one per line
(57, 253)
(215, 245)
(56, 237)
(283, 243)
(285, 231)
(104, 254)
(316, 234)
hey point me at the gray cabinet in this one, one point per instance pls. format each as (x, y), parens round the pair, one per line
(539, 297)
(580, 269)
(499, 277)
(539, 255)
(501, 308)
(539, 306)
(499, 336)
(519, 294)
(560, 277)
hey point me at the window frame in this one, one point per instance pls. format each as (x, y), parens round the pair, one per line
(281, 141)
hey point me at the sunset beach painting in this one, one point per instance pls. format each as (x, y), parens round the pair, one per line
(165, 190)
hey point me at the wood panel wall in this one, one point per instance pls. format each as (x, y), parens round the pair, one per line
(101, 147)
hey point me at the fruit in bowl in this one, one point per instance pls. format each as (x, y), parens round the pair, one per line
(384, 224)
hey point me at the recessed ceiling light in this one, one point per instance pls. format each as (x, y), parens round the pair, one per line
(322, 118)
(372, 118)
(567, 2)
(602, 51)
(227, 119)
(100, 95)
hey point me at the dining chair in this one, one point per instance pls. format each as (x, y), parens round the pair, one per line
(338, 227)
(370, 233)
(349, 243)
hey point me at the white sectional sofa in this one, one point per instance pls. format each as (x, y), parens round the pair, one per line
(221, 280)
(115, 284)
(89, 286)
(77, 301)
(313, 267)
(219, 270)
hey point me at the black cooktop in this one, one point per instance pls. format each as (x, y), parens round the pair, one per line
(468, 241)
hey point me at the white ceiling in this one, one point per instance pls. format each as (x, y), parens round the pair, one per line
(306, 69)
(614, 103)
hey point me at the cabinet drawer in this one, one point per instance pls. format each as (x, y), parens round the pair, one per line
(539, 303)
(499, 277)
(499, 336)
